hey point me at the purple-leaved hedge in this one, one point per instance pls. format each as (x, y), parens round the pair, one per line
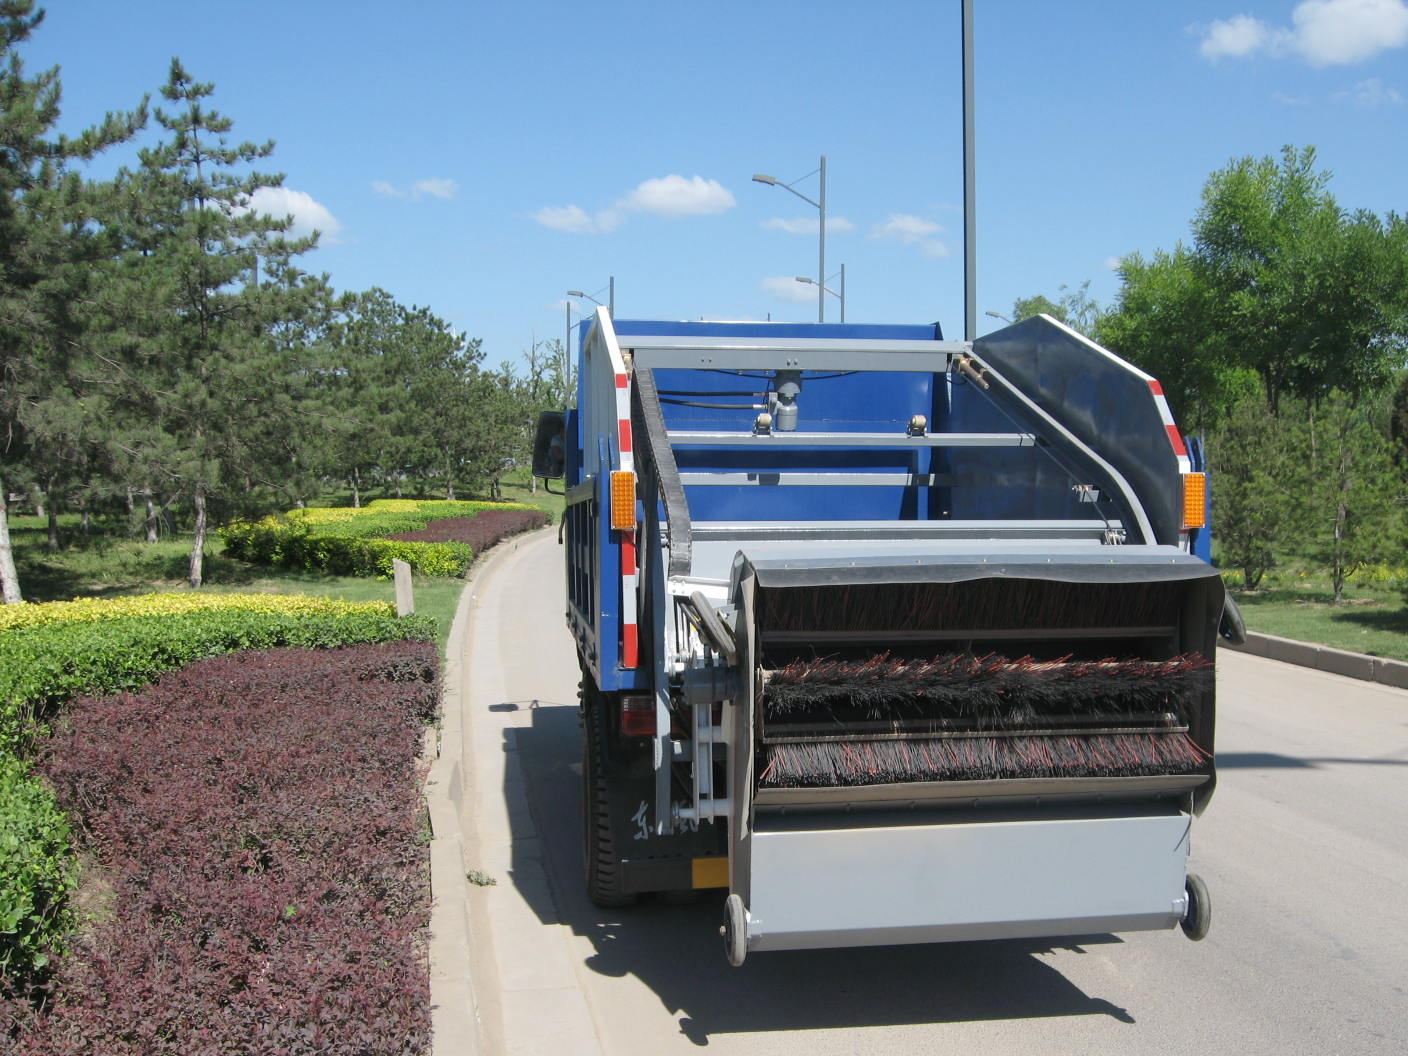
(259, 862)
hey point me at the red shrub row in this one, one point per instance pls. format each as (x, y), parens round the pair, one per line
(481, 531)
(260, 869)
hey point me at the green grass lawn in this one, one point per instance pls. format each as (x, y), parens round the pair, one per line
(1296, 603)
(105, 564)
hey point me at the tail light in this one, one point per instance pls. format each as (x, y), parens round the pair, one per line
(637, 715)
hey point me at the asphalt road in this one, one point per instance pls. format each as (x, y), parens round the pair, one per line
(1304, 848)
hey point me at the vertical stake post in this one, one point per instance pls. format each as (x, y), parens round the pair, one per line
(405, 596)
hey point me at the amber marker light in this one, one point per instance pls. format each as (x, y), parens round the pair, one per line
(623, 500)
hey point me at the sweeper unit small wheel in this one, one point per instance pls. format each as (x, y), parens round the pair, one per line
(734, 930)
(1198, 917)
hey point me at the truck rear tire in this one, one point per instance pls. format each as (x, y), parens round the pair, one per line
(605, 879)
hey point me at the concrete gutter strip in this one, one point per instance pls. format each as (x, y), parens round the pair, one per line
(454, 1016)
(456, 1027)
(1323, 658)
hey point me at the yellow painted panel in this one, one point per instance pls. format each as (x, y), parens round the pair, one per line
(711, 872)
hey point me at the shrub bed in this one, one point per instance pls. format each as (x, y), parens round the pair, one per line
(54, 651)
(387, 517)
(363, 541)
(479, 532)
(289, 544)
(36, 872)
(257, 821)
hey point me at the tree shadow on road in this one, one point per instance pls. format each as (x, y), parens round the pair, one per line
(675, 950)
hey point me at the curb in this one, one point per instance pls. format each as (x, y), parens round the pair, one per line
(456, 1028)
(1323, 658)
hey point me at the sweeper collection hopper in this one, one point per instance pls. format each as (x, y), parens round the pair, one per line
(899, 639)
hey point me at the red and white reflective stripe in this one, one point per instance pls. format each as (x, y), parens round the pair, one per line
(630, 627)
(630, 631)
(1175, 438)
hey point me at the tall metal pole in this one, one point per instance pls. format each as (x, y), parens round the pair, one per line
(970, 245)
(567, 347)
(843, 292)
(821, 262)
(611, 297)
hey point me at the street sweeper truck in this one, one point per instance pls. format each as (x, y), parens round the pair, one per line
(898, 639)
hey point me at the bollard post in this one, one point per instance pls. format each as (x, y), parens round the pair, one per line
(405, 598)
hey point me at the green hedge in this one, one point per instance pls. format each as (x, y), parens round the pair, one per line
(386, 517)
(41, 667)
(344, 541)
(275, 541)
(36, 872)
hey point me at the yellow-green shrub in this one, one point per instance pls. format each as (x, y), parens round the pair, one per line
(353, 542)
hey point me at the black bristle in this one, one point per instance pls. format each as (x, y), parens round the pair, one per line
(972, 606)
(991, 690)
(847, 763)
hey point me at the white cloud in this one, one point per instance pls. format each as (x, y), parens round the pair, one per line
(808, 225)
(571, 218)
(1338, 32)
(676, 196)
(663, 196)
(436, 187)
(308, 213)
(910, 230)
(1234, 37)
(1290, 100)
(1373, 93)
(787, 288)
(1322, 32)
(1112, 263)
(433, 187)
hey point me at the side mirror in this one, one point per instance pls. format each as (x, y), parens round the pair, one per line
(550, 445)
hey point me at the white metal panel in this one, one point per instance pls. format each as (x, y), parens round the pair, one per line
(602, 364)
(856, 886)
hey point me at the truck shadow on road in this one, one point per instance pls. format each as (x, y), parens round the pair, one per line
(675, 950)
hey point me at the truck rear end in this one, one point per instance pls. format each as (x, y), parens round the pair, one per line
(899, 639)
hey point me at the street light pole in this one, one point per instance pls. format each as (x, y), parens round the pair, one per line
(821, 253)
(970, 245)
(567, 346)
(611, 297)
(820, 206)
(823, 289)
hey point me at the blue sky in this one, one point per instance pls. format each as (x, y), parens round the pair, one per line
(483, 158)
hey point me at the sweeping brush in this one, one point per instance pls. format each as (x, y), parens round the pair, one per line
(844, 763)
(975, 606)
(991, 687)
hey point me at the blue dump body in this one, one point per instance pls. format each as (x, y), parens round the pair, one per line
(990, 483)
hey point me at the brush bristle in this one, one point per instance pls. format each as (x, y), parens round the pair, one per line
(840, 763)
(972, 606)
(992, 689)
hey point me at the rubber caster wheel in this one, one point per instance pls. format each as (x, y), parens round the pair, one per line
(1198, 918)
(1231, 626)
(734, 930)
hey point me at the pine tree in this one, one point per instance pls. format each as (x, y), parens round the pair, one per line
(211, 380)
(45, 238)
